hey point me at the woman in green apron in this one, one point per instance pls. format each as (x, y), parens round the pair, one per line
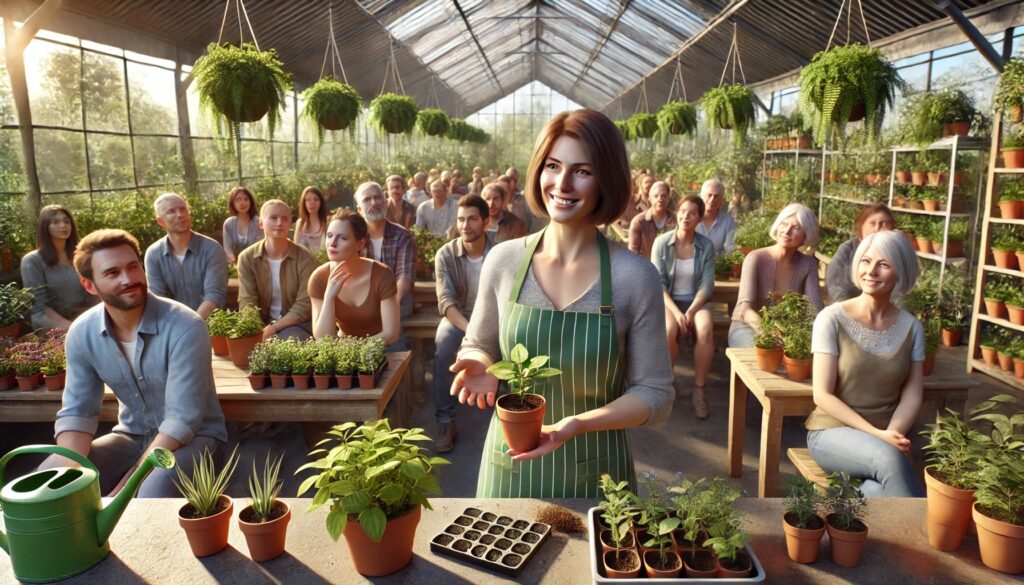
(552, 292)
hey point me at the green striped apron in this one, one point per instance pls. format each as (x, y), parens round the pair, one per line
(584, 346)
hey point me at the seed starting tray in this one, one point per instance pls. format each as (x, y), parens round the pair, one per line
(497, 543)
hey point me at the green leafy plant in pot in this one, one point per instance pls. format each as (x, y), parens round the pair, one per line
(521, 411)
(729, 542)
(245, 333)
(331, 105)
(259, 366)
(240, 84)
(432, 121)
(643, 125)
(846, 507)
(376, 479)
(950, 476)
(373, 356)
(767, 343)
(15, 305)
(1009, 96)
(325, 360)
(265, 521)
(730, 107)
(661, 561)
(393, 113)
(1012, 150)
(677, 117)
(618, 542)
(207, 515)
(220, 323)
(802, 521)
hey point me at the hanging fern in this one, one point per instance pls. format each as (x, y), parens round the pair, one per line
(840, 81)
(433, 122)
(463, 132)
(331, 105)
(393, 113)
(643, 125)
(730, 107)
(240, 84)
(625, 130)
(677, 117)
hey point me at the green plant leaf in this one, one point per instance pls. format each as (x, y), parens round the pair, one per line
(375, 471)
(414, 469)
(502, 371)
(519, 355)
(392, 493)
(374, 522)
(336, 522)
(538, 361)
(356, 502)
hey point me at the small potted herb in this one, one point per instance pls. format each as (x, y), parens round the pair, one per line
(729, 264)
(846, 507)
(206, 516)
(1004, 246)
(521, 411)
(258, 365)
(950, 477)
(54, 366)
(729, 543)
(1009, 96)
(661, 561)
(730, 107)
(767, 345)
(346, 352)
(802, 522)
(6, 364)
(393, 113)
(677, 117)
(1012, 150)
(26, 357)
(373, 358)
(279, 360)
(265, 521)
(1011, 199)
(245, 333)
(220, 323)
(302, 357)
(331, 105)
(703, 506)
(324, 361)
(618, 543)
(793, 316)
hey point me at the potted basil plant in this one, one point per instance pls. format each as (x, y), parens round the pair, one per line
(521, 411)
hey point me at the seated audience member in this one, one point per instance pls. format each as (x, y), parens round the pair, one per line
(719, 227)
(777, 269)
(476, 187)
(437, 215)
(872, 219)
(48, 269)
(154, 354)
(457, 269)
(868, 370)
(686, 262)
(242, 228)
(432, 175)
(183, 265)
(399, 210)
(312, 223)
(637, 205)
(388, 243)
(418, 193)
(458, 188)
(273, 275)
(361, 294)
(503, 224)
(658, 219)
(515, 201)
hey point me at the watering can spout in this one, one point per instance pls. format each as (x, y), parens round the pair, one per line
(109, 516)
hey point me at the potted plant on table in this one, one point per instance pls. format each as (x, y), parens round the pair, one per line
(376, 479)
(258, 365)
(767, 344)
(54, 366)
(521, 411)
(26, 358)
(793, 317)
(661, 561)
(618, 542)
(346, 353)
(331, 105)
(393, 113)
(246, 332)
(932, 340)
(1009, 96)
(279, 360)
(704, 507)
(950, 477)
(373, 358)
(15, 305)
(729, 543)
(846, 506)
(729, 264)
(730, 107)
(206, 516)
(220, 323)
(802, 522)
(302, 356)
(796, 353)
(324, 362)
(265, 521)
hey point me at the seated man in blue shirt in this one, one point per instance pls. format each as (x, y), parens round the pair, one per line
(154, 354)
(183, 265)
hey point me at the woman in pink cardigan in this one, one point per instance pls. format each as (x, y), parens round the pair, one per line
(777, 269)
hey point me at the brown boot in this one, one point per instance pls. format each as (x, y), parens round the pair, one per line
(445, 440)
(700, 405)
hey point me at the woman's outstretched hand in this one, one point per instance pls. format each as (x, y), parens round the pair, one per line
(552, 437)
(472, 384)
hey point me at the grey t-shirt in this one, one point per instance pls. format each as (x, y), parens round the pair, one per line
(473, 269)
(57, 287)
(437, 221)
(639, 317)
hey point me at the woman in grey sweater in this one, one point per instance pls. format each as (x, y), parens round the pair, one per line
(48, 270)
(242, 228)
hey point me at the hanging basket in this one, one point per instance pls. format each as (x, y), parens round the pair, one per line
(240, 84)
(393, 113)
(623, 126)
(643, 125)
(677, 117)
(730, 107)
(433, 122)
(331, 105)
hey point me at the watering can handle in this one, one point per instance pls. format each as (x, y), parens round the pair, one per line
(54, 449)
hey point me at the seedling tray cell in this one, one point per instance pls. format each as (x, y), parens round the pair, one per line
(497, 543)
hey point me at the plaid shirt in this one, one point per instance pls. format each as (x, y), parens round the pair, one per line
(398, 251)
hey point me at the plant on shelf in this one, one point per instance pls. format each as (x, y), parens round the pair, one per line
(730, 107)
(432, 121)
(265, 521)
(845, 83)
(15, 304)
(776, 126)
(331, 105)
(240, 84)
(393, 114)
(934, 111)
(847, 507)
(1009, 96)
(376, 479)
(643, 125)
(207, 514)
(520, 372)
(802, 520)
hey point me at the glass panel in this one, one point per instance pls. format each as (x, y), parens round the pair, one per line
(213, 162)
(916, 77)
(110, 161)
(8, 114)
(255, 159)
(99, 48)
(60, 160)
(284, 157)
(153, 103)
(53, 73)
(103, 90)
(12, 171)
(157, 160)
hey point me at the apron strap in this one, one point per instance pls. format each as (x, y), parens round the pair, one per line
(531, 248)
(606, 309)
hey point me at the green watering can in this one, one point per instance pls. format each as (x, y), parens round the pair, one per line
(56, 523)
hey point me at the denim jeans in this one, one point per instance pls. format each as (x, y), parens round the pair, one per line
(446, 342)
(741, 335)
(885, 470)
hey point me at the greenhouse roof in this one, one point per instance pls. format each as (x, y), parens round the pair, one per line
(469, 53)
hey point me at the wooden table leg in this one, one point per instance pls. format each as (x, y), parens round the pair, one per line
(737, 423)
(771, 447)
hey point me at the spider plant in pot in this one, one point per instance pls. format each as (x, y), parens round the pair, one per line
(661, 561)
(618, 542)
(207, 515)
(730, 107)
(240, 84)
(432, 122)
(1009, 96)
(325, 360)
(846, 506)
(245, 333)
(220, 323)
(677, 117)
(393, 113)
(265, 521)
(521, 411)
(376, 480)
(950, 476)
(331, 105)
(729, 543)
(801, 522)
(643, 125)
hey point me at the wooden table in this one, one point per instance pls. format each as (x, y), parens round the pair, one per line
(241, 403)
(779, 397)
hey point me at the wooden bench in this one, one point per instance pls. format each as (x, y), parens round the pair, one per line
(808, 467)
(420, 327)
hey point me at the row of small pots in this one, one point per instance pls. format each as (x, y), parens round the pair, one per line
(209, 535)
(682, 558)
(923, 244)
(845, 546)
(29, 383)
(999, 309)
(796, 370)
(995, 356)
(923, 178)
(789, 143)
(319, 382)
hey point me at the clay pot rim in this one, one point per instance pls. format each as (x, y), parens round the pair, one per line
(797, 531)
(832, 528)
(269, 525)
(997, 526)
(944, 488)
(190, 522)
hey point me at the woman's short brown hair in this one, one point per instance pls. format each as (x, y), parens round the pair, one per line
(231, 200)
(101, 240)
(606, 150)
(44, 243)
(692, 199)
(354, 220)
(868, 212)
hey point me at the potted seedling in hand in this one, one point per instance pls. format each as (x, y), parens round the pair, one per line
(801, 522)
(618, 544)
(521, 411)
(207, 515)
(265, 521)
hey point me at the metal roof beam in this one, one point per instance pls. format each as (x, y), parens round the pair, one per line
(600, 45)
(977, 39)
(480, 48)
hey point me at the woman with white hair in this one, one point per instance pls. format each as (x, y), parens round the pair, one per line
(777, 269)
(868, 371)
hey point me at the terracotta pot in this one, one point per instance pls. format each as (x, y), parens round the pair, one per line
(994, 308)
(703, 556)
(929, 365)
(873, 179)
(1020, 258)
(769, 360)
(29, 383)
(209, 535)
(1016, 314)
(220, 344)
(628, 556)
(903, 177)
(265, 539)
(1005, 259)
(10, 330)
(240, 348)
(919, 178)
(6, 260)
(949, 513)
(391, 554)
(257, 381)
(735, 271)
(344, 381)
(956, 129)
(801, 543)
(833, 176)
(923, 244)
(1015, 114)
(521, 429)
(936, 179)
(951, 338)
(55, 382)
(1005, 361)
(930, 204)
(954, 249)
(958, 179)
(301, 381)
(1010, 209)
(7, 382)
(803, 142)
(913, 242)
(741, 568)
(989, 355)
(1001, 543)
(1018, 367)
(652, 561)
(322, 381)
(605, 538)
(278, 381)
(366, 381)
(846, 547)
(746, 250)
(915, 205)
(797, 370)
(1013, 159)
